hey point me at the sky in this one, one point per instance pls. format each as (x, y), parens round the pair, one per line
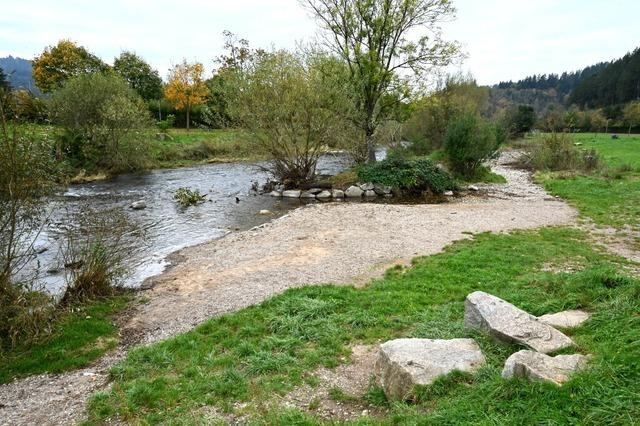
(503, 40)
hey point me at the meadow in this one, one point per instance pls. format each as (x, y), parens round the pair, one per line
(244, 363)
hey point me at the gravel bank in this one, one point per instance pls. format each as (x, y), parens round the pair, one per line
(338, 243)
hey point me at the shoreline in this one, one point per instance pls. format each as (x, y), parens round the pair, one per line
(321, 243)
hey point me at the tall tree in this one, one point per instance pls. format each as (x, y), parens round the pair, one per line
(378, 39)
(139, 74)
(632, 114)
(186, 88)
(4, 82)
(60, 62)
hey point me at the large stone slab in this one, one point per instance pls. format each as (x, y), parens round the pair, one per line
(292, 193)
(565, 319)
(353, 192)
(503, 321)
(404, 363)
(540, 367)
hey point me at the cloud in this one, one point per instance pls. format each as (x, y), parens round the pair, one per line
(504, 39)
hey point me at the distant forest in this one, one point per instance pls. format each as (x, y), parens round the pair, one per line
(542, 91)
(605, 84)
(617, 84)
(19, 73)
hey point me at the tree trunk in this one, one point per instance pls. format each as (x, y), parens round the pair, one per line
(371, 145)
(371, 151)
(629, 133)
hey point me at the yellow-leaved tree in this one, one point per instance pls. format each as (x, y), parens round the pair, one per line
(186, 88)
(60, 62)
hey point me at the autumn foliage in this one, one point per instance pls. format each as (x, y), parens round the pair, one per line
(186, 87)
(60, 62)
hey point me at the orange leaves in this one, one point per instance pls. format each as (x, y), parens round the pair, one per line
(186, 86)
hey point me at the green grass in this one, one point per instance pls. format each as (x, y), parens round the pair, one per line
(253, 355)
(616, 153)
(184, 148)
(199, 146)
(611, 197)
(79, 336)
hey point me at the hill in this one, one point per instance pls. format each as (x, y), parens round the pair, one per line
(540, 91)
(19, 73)
(617, 83)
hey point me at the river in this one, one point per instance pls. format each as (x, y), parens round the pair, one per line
(230, 206)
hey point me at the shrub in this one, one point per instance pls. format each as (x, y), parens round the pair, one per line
(427, 126)
(188, 197)
(281, 100)
(411, 176)
(470, 142)
(556, 152)
(106, 123)
(94, 254)
(26, 174)
(166, 124)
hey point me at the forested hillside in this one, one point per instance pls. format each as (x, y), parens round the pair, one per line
(618, 83)
(540, 91)
(19, 73)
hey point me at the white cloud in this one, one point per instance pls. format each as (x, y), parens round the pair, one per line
(504, 39)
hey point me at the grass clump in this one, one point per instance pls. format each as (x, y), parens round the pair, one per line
(188, 197)
(411, 176)
(265, 351)
(558, 152)
(612, 197)
(80, 334)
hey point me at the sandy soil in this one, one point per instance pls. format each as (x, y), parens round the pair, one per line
(337, 243)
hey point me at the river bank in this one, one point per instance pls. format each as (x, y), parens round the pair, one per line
(337, 243)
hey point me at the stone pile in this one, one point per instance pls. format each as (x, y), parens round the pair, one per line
(404, 363)
(368, 190)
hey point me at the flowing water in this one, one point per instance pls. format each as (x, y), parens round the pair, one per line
(230, 205)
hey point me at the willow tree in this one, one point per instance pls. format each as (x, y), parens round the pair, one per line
(382, 41)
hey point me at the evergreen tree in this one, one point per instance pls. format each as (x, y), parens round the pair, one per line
(4, 81)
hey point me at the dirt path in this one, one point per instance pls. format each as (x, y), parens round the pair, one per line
(337, 243)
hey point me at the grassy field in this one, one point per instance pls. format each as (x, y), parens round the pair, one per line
(241, 363)
(612, 196)
(80, 336)
(258, 353)
(199, 146)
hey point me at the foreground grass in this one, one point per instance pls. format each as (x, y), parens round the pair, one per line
(80, 336)
(256, 354)
(612, 197)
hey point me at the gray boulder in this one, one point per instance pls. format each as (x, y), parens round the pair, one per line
(565, 319)
(315, 191)
(473, 188)
(366, 186)
(292, 193)
(540, 367)
(276, 193)
(323, 195)
(337, 193)
(138, 205)
(404, 363)
(353, 192)
(382, 189)
(507, 323)
(307, 194)
(448, 193)
(370, 193)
